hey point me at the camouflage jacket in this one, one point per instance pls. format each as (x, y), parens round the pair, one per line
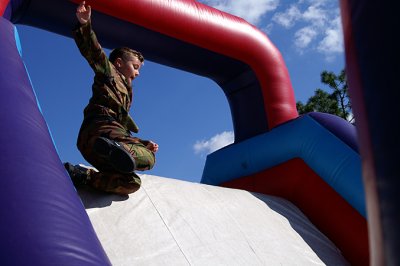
(112, 96)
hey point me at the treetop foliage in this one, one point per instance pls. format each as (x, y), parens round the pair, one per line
(337, 102)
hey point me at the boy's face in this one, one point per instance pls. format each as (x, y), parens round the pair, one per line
(129, 67)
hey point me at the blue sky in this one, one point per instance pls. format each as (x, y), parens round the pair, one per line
(187, 115)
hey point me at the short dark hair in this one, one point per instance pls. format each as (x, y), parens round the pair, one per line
(124, 53)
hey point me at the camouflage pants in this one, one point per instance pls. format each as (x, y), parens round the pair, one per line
(108, 179)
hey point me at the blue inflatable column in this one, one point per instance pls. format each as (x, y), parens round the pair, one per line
(43, 221)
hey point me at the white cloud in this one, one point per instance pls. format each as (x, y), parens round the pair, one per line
(319, 26)
(315, 2)
(332, 41)
(305, 36)
(216, 142)
(250, 10)
(287, 18)
(316, 16)
(268, 28)
(315, 24)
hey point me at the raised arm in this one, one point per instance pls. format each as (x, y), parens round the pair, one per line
(86, 40)
(83, 13)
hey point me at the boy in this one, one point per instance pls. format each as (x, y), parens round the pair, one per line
(104, 139)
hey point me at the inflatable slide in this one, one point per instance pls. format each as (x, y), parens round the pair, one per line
(312, 161)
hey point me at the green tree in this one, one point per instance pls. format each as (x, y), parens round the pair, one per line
(337, 102)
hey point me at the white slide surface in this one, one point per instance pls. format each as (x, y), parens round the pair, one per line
(174, 222)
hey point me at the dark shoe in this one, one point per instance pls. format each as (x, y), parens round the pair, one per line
(79, 175)
(113, 152)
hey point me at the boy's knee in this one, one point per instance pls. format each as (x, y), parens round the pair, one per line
(152, 162)
(130, 185)
(145, 161)
(126, 189)
(116, 183)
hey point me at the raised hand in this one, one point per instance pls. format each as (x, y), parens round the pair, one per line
(83, 13)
